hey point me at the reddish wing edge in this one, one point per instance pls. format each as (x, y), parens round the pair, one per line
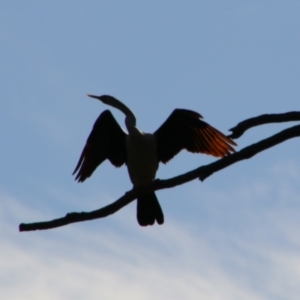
(184, 130)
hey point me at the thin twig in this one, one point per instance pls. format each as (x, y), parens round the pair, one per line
(240, 128)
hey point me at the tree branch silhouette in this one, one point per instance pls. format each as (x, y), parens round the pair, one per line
(202, 172)
(241, 127)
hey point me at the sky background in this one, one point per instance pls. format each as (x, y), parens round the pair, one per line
(234, 236)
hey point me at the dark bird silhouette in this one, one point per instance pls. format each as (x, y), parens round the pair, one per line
(142, 152)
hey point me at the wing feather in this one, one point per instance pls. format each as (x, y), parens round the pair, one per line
(184, 130)
(211, 148)
(217, 146)
(106, 141)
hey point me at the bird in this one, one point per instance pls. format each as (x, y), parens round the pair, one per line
(142, 152)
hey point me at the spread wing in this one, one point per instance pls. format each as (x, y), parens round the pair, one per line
(184, 130)
(106, 141)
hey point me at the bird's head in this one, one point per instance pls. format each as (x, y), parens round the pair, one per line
(112, 101)
(106, 99)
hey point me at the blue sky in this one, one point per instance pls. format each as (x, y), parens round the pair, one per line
(234, 236)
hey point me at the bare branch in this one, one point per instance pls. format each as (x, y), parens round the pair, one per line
(75, 217)
(240, 128)
(202, 173)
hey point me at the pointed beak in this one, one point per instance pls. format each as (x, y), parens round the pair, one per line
(92, 96)
(104, 98)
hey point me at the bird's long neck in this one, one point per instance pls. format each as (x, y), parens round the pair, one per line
(130, 120)
(130, 123)
(123, 108)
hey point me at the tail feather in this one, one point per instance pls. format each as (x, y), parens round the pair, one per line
(149, 210)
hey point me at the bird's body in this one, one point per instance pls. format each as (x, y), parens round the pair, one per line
(142, 164)
(142, 152)
(142, 160)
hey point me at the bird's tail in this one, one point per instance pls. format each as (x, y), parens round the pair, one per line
(149, 210)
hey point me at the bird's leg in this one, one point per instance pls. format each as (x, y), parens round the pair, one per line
(142, 189)
(135, 190)
(139, 189)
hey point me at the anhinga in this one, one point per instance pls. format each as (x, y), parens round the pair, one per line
(142, 152)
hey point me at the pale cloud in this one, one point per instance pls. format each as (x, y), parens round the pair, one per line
(173, 261)
(286, 167)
